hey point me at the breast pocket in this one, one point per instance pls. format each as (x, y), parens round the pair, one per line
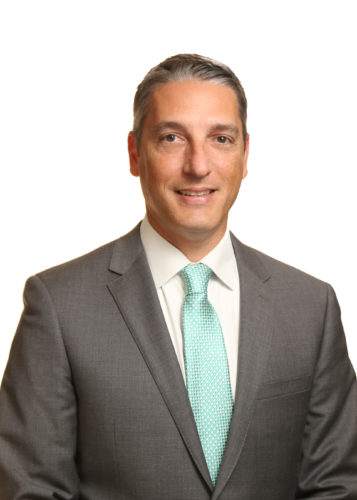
(282, 388)
(277, 426)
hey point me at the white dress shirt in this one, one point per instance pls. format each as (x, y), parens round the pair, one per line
(166, 261)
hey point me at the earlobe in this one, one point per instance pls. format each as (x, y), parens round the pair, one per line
(133, 154)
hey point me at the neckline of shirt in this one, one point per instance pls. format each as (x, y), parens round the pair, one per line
(165, 260)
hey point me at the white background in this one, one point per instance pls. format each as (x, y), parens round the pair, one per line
(69, 70)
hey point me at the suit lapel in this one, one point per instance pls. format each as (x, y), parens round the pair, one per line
(254, 343)
(136, 297)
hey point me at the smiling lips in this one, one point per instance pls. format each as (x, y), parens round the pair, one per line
(190, 192)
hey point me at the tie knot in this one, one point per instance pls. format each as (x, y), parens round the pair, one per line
(196, 277)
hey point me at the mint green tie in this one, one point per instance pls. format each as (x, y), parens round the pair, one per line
(207, 371)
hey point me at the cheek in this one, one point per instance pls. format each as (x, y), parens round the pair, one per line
(154, 181)
(230, 173)
(163, 171)
(232, 181)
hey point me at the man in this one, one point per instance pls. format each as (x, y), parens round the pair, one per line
(177, 363)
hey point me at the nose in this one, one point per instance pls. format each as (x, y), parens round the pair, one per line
(197, 161)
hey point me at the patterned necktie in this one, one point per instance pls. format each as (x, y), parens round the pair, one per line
(207, 371)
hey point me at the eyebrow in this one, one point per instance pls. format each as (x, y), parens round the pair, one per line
(222, 127)
(164, 125)
(218, 127)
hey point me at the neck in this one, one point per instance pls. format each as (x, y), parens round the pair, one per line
(193, 244)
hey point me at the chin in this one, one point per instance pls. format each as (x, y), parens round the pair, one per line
(199, 227)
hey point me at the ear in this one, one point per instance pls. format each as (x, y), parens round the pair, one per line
(246, 154)
(133, 154)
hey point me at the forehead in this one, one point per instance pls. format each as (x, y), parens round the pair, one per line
(192, 99)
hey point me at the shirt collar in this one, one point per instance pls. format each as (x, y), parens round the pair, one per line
(165, 260)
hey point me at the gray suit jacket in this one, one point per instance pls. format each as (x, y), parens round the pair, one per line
(93, 404)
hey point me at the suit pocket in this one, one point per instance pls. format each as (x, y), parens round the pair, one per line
(273, 442)
(280, 388)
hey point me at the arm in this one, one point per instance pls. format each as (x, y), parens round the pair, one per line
(38, 407)
(328, 468)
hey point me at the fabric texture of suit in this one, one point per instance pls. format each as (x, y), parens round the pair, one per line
(93, 404)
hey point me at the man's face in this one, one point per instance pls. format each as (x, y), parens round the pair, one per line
(191, 159)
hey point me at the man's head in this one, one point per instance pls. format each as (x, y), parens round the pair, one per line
(190, 149)
(183, 67)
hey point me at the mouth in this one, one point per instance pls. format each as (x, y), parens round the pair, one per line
(191, 192)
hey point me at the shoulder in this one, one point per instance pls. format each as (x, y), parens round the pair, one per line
(95, 267)
(301, 302)
(281, 275)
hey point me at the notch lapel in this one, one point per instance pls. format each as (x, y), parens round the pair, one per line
(136, 297)
(254, 344)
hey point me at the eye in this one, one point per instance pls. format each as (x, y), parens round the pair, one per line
(222, 139)
(169, 138)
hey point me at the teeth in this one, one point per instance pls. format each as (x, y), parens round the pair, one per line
(195, 193)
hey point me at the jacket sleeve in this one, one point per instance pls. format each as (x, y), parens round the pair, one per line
(38, 407)
(328, 468)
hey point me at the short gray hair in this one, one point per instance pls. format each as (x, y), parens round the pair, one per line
(183, 67)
